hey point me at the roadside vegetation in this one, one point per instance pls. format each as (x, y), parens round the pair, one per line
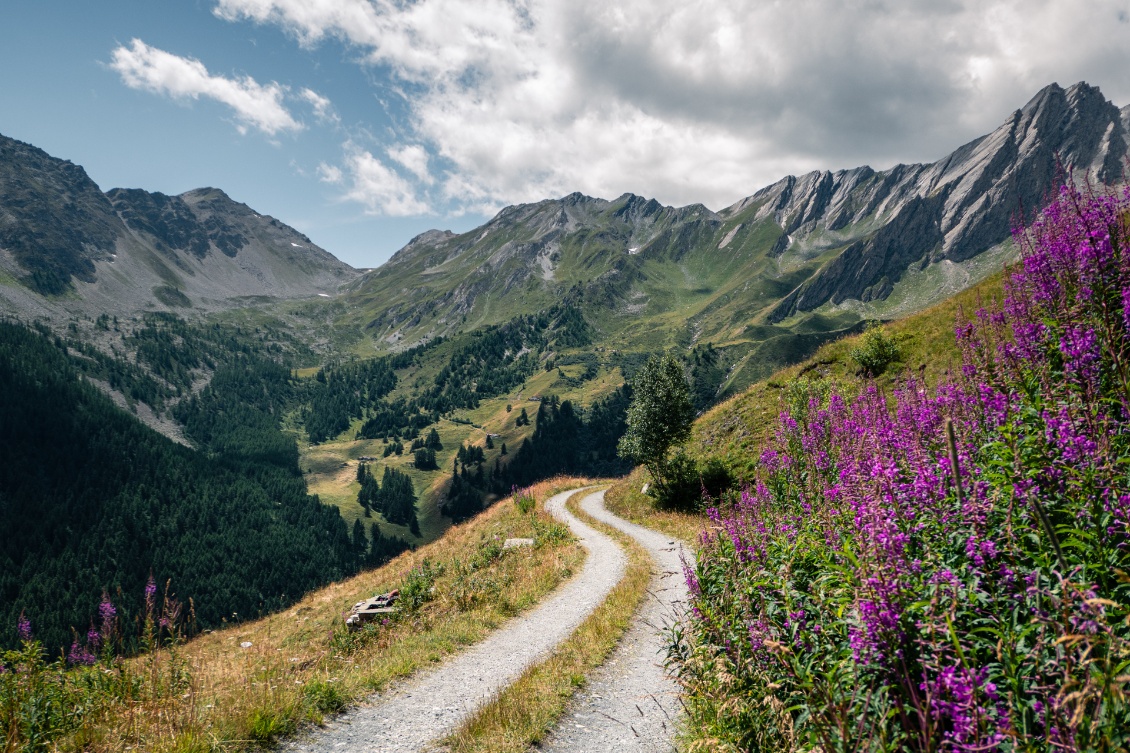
(933, 554)
(252, 683)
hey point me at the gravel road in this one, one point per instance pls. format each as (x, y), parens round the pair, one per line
(630, 704)
(412, 715)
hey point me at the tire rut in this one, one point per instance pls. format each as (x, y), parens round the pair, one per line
(414, 714)
(630, 703)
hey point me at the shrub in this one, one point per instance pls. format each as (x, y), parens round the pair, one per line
(877, 351)
(689, 483)
(419, 586)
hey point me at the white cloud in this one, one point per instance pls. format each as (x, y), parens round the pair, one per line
(517, 100)
(330, 173)
(255, 105)
(413, 158)
(323, 108)
(374, 185)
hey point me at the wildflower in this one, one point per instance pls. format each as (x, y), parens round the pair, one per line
(150, 594)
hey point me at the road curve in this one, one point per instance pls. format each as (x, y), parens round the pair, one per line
(412, 715)
(630, 704)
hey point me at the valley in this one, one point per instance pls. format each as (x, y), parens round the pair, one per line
(198, 395)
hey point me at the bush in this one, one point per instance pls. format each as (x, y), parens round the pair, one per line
(419, 586)
(877, 351)
(689, 483)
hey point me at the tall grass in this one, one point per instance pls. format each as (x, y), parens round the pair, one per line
(254, 683)
(45, 702)
(941, 569)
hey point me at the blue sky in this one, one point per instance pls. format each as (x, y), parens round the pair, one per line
(365, 122)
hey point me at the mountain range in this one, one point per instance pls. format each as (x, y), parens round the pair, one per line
(808, 254)
(556, 302)
(811, 254)
(65, 246)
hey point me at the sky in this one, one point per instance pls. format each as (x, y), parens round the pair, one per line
(363, 123)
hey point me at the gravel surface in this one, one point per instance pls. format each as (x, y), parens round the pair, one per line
(630, 703)
(412, 715)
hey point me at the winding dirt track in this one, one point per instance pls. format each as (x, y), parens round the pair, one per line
(413, 715)
(630, 703)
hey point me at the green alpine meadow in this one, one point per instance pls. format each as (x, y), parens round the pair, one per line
(465, 376)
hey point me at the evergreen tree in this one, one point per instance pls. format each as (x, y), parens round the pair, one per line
(398, 499)
(360, 543)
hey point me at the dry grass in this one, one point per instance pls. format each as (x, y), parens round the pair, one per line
(301, 665)
(522, 714)
(626, 499)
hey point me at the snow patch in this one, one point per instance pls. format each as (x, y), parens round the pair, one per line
(324, 295)
(296, 245)
(633, 250)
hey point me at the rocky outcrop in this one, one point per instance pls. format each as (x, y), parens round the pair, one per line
(953, 209)
(130, 250)
(54, 221)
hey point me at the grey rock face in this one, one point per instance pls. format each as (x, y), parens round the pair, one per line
(954, 208)
(130, 250)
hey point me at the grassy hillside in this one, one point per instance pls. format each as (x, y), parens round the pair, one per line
(936, 557)
(735, 430)
(246, 685)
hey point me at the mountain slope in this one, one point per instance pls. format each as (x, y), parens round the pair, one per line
(93, 501)
(129, 250)
(807, 256)
(955, 208)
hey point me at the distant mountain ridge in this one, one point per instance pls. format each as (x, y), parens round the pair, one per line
(810, 253)
(130, 249)
(951, 209)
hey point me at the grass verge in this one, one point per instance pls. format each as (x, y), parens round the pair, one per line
(522, 714)
(252, 683)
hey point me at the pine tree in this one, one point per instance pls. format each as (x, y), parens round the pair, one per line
(360, 543)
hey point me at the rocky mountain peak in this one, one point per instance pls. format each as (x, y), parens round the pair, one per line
(952, 209)
(130, 249)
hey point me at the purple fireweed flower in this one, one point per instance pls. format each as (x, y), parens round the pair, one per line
(23, 627)
(80, 654)
(109, 616)
(150, 592)
(853, 516)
